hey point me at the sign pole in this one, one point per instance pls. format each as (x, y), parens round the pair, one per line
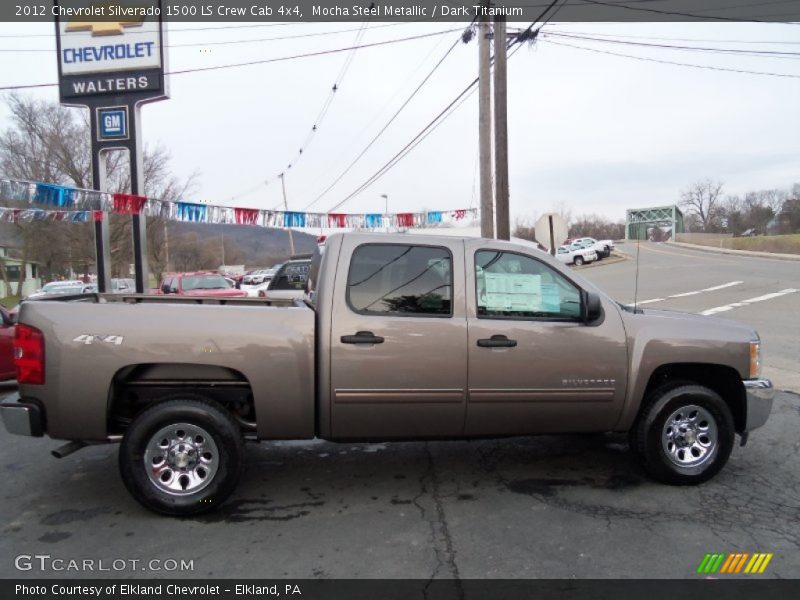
(102, 243)
(138, 220)
(128, 74)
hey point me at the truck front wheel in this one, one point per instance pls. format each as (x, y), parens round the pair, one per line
(684, 435)
(182, 456)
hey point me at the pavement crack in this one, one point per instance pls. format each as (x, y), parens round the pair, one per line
(440, 537)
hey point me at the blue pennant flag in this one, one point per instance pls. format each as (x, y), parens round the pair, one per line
(434, 217)
(294, 219)
(191, 212)
(373, 221)
(54, 195)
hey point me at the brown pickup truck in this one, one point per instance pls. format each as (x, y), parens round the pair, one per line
(398, 338)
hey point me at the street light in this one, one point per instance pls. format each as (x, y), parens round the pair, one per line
(386, 210)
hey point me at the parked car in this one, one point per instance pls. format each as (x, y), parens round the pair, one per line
(426, 338)
(289, 282)
(602, 247)
(123, 286)
(575, 254)
(200, 284)
(260, 290)
(258, 276)
(61, 288)
(8, 326)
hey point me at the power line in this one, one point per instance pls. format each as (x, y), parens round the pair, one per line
(229, 42)
(676, 39)
(386, 126)
(526, 35)
(323, 111)
(669, 62)
(264, 61)
(171, 31)
(389, 102)
(609, 40)
(676, 13)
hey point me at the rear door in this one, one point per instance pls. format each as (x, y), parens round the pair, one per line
(534, 365)
(398, 340)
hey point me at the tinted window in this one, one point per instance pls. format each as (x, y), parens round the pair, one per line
(292, 276)
(514, 285)
(205, 282)
(400, 279)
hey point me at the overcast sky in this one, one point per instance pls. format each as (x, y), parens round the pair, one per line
(594, 132)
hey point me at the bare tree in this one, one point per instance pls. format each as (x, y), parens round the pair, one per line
(50, 143)
(703, 200)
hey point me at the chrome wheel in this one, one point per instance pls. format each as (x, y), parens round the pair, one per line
(181, 459)
(690, 436)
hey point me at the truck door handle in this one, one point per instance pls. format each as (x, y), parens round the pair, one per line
(362, 337)
(497, 341)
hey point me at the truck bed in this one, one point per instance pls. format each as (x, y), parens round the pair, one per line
(93, 343)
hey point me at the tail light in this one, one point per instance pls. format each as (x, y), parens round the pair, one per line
(262, 294)
(29, 354)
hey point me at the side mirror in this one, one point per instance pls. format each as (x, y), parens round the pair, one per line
(592, 307)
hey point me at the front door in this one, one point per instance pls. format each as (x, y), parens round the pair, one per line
(398, 341)
(534, 365)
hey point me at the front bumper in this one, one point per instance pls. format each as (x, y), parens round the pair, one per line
(21, 418)
(760, 395)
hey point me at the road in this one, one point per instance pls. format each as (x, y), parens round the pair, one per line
(549, 506)
(677, 278)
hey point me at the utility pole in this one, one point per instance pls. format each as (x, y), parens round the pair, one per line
(286, 208)
(166, 246)
(386, 210)
(501, 129)
(485, 129)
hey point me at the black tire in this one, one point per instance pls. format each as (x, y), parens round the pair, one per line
(228, 452)
(578, 261)
(648, 433)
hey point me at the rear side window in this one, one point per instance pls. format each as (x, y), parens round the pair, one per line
(401, 279)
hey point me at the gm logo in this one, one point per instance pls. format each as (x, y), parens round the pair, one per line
(735, 563)
(112, 123)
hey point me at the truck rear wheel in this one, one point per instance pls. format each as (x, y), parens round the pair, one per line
(182, 456)
(684, 435)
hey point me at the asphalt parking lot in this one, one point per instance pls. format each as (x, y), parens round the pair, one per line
(555, 507)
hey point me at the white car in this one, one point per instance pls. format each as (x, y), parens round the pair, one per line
(602, 247)
(255, 291)
(575, 255)
(74, 286)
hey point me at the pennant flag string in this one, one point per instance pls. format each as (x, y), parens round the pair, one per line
(79, 205)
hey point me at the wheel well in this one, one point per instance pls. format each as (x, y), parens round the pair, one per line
(723, 380)
(136, 387)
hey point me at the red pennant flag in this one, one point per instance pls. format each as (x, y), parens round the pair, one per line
(337, 220)
(405, 219)
(246, 216)
(128, 204)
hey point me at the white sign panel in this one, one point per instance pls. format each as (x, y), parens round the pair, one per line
(89, 47)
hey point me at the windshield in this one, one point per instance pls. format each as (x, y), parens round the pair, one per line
(205, 282)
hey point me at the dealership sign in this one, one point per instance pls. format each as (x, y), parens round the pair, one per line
(101, 55)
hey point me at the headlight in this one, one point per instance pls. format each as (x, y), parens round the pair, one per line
(755, 359)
